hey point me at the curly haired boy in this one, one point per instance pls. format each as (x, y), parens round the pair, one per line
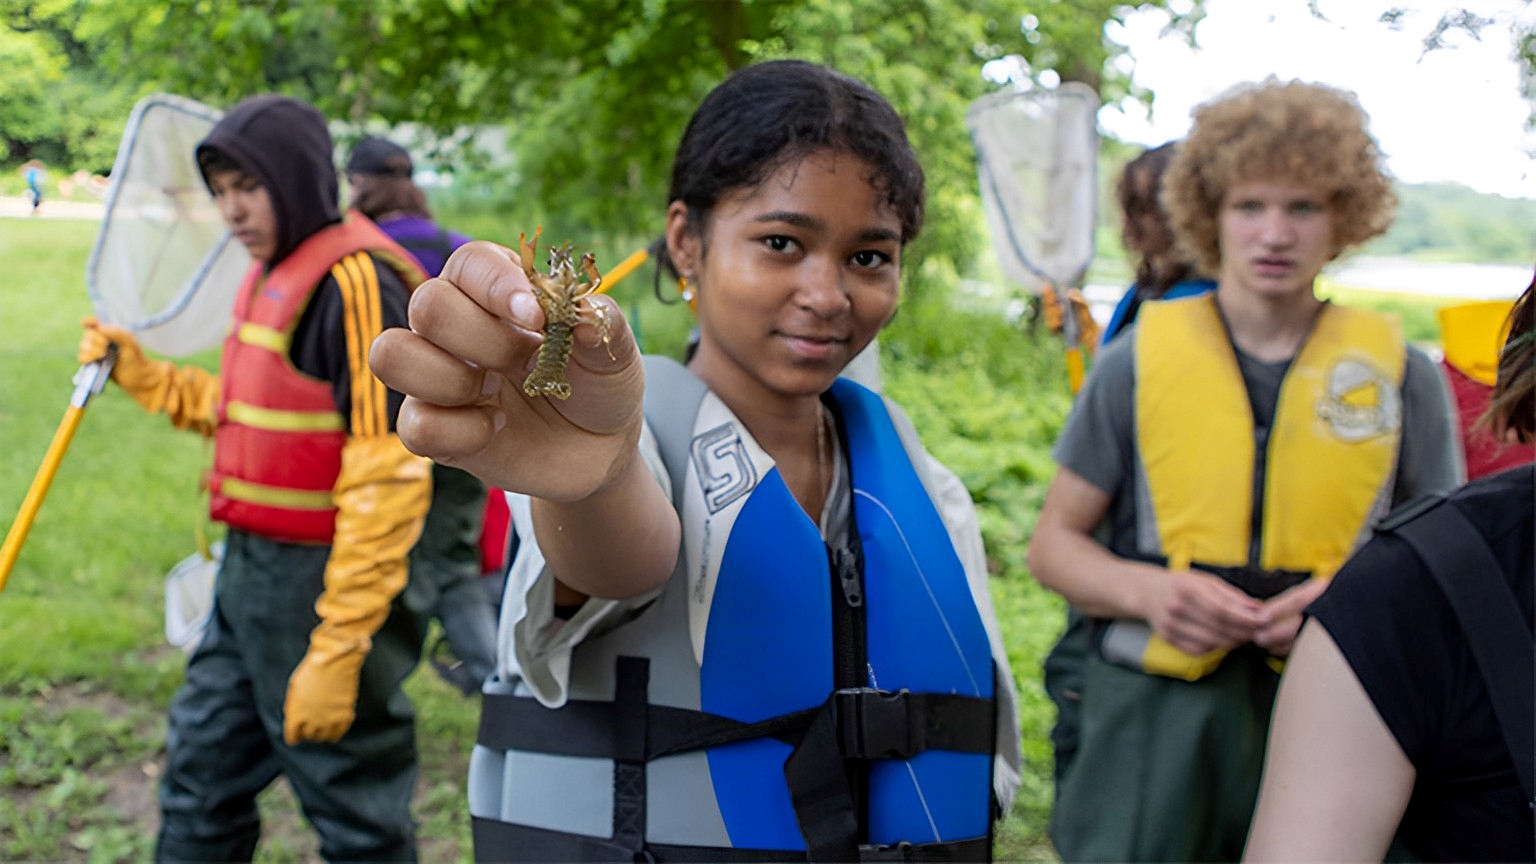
(1238, 446)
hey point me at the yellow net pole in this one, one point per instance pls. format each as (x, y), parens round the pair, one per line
(624, 268)
(88, 382)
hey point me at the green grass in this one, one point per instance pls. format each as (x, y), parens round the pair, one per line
(85, 675)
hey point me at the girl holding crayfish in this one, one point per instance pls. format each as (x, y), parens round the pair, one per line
(752, 622)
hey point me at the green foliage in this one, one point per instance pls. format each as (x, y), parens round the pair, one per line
(34, 70)
(1450, 222)
(58, 103)
(1417, 313)
(595, 93)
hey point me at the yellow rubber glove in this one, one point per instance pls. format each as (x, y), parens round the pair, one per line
(381, 498)
(188, 394)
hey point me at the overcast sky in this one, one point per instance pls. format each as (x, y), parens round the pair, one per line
(1456, 114)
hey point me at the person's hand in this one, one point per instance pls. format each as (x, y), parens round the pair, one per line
(321, 704)
(1197, 613)
(475, 333)
(140, 377)
(1282, 616)
(96, 339)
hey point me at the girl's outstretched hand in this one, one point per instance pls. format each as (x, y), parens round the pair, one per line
(474, 336)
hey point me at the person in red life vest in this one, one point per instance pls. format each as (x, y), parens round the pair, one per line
(1471, 334)
(299, 672)
(447, 564)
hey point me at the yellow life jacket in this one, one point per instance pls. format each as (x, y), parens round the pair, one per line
(1330, 454)
(1472, 334)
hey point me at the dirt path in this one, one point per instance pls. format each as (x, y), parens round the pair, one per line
(21, 208)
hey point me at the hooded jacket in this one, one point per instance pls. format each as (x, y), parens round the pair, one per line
(285, 145)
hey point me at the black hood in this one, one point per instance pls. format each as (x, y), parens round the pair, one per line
(285, 145)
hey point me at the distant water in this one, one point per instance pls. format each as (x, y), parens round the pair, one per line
(1470, 281)
(1390, 275)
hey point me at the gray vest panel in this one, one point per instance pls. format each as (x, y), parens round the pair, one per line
(575, 795)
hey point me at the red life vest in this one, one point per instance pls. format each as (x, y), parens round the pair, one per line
(277, 447)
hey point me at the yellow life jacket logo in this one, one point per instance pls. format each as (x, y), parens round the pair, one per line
(1360, 402)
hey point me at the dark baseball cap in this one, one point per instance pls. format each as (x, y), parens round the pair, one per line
(379, 157)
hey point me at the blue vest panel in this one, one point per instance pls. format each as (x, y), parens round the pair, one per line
(768, 647)
(756, 665)
(925, 634)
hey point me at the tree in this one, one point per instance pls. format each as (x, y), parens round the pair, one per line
(56, 103)
(25, 117)
(596, 92)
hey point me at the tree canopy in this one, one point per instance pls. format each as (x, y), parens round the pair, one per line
(593, 93)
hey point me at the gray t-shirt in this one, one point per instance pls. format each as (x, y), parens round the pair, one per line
(1099, 441)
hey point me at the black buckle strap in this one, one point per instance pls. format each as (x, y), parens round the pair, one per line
(857, 723)
(867, 724)
(502, 841)
(977, 849)
(586, 729)
(1257, 582)
(872, 724)
(880, 724)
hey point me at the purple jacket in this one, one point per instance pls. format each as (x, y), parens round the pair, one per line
(422, 238)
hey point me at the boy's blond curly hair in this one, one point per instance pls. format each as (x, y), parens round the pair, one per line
(1294, 132)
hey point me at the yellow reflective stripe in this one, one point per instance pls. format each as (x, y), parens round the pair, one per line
(372, 324)
(264, 337)
(258, 417)
(274, 496)
(358, 280)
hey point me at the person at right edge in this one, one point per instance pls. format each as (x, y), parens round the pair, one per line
(299, 673)
(1239, 444)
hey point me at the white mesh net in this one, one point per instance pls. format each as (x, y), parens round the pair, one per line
(1037, 154)
(163, 265)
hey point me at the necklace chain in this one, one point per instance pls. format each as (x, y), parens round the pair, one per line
(821, 449)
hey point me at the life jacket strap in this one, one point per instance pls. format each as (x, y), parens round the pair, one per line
(869, 724)
(879, 724)
(862, 723)
(586, 729)
(1257, 582)
(526, 843)
(856, 724)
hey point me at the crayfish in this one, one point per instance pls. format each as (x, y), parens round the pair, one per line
(566, 301)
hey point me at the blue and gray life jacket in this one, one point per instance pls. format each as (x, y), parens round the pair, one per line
(841, 706)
